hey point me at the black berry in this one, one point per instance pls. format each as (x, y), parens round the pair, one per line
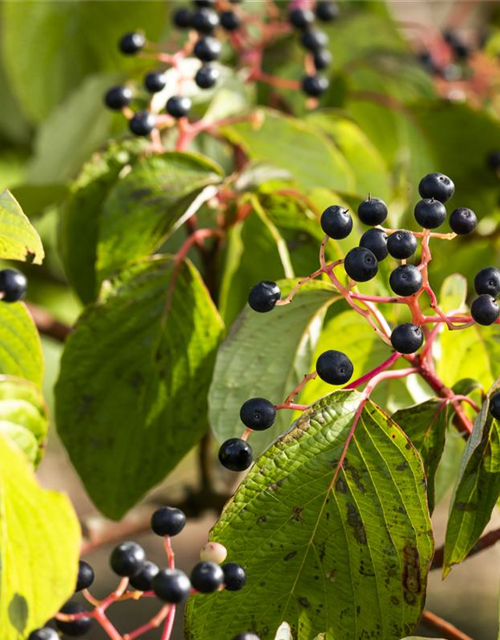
(230, 21)
(168, 521)
(178, 106)
(155, 81)
(171, 585)
(407, 338)
(485, 309)
(494, 160)
(301, 18)
(205, 21)
(376, 241)
(206, 76)
(336, 222)
(458, 46)
(78, 627)
(334, 367)
(13, 285)
(264, 296)
(437, 186)
(372, 211)
(117, 98)
(246, 636)
(235, 577)
(235, 454)
(44, 634)
(314, 40)
(207, 577)
(430, 213)
(127, 559)
(85, 576)
(327, 11)
(361, 264)
(402, 244)
(494, 408)
(463, 221)
(488, 281)
(207, 49)
(204, 3)
(182, 18)
(314, 86)
(132, 43)
(143, 581)
(322, 59)
(258, 414)
(142, 123)
(405, 280)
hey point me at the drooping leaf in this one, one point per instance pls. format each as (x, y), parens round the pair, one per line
(266, 354)
(147, 204)
(18, 238)
(39, 547)
(312, 552)
(20, 347)
(425, 426)
(131, 399)
(477, 489)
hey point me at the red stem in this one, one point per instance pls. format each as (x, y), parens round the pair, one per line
(445, 629)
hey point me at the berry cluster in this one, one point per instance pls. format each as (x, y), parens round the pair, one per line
(408, 282)
(449, 67)
(170, 585)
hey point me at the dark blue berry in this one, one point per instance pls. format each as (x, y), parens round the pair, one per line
(488, 281)
(336, 222)
(206, 76)
(485, 310)
(230, 21)
(258, 414)
(372, 211)
(178, 106)
(85, 576)
(430, 213)
(44, 634)
(437, 186)
(494, 407)
(334, 367)
(143, 581)
(327, 11)
(182, 18)
(463, 221)
(13, 285)
(127, 559)
(246, 636)
(235, 577)
(494, 160)
(207, 49)
(155, 81)
(264, 296)
(301, 18)
(117, 98)
(314, 40)
(171, 585)
(205, 21)
(142, 123)
(361, 264)
(207, 577)
(376, 241)
(168, 521)
(314, 86)
(132, 43)
(77, 628)
(407, 338)
(322, 59)
(406, 280)
(235, 454)
(402, 244)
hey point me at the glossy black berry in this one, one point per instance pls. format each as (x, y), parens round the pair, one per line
(327, 11)
(13, 285)
(117, 98)
(407, 338)
(322, 59)
(494, 160)
(205, 21)
(235, 577)
(204, 4)
(376, 241)
(142, 123)
(235, 454)
(258, 414)
(402, 244)
(430, 213)
(405, 280)
(207, 49)
(78, 627)
(314, 86)
(85, 576)
(334, 367)
(463, 221)
(132, 43)
(182, 18)
(488, 281)
(336, 222)
(171, 585)
(127, 559)
(168, 521)
(207, 577)
(361, 264)
(494, 407)
(264, 296)
(372, 211)
(301, 18)
(246, 636)
(230, 21)
(437, 186)
(44, 634)
(206, 76)
(178, 106)
(485, 309)
(143, 581)
(314, 40)
(155, 81)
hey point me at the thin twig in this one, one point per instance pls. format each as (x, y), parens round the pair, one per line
(446, 629)
(47, 325)
(486, 541)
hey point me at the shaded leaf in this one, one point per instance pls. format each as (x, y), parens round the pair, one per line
(19, 240)
(453, 293)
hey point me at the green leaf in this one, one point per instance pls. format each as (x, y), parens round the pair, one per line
(79, 230)
(255, 360)
(131, 399)
(18, 238)
(275, 141)
(23, 416)
(477, 489)
(20, 347)
(352, 561)
(453, 294)
(147, 204)
(39, 548)
(425, 425)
